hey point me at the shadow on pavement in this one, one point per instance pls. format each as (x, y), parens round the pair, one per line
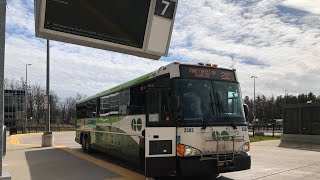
(135, 168)
(300, 146)
(53, 164)
(195, 178)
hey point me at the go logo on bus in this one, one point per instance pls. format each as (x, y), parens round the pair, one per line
(136, 125)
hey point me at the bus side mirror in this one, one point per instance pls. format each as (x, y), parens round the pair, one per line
(174, 104)
(246, 110)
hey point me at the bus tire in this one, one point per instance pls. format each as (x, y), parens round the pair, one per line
(83, 145)
(87, 144)
(150, 178)
(142, 159)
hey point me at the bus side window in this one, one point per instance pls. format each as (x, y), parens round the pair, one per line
(104, 105)
(137, 101)
(91, 109)
(81, 111)
(154, 99)
(87, 110)
(124, 102)
(114, 104)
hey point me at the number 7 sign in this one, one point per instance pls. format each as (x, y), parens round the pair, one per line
(165, 8)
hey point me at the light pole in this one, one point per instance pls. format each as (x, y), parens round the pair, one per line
(47, 137)
(26, 97)
(285, 97)
(254, 98)
(3, 4)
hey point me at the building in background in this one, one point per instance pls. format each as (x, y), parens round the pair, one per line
(302, 123)
(14, 114)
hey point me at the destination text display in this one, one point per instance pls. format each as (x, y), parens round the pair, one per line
(206, 73)
(118, 21)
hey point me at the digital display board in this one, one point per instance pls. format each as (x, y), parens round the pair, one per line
(118, 21)
(137, 27)
(206, 73)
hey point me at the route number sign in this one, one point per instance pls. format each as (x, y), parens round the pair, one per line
(137, 27)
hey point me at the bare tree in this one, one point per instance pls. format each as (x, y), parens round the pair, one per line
(69, 108)
(54, 108)
(38, 94)
(62, 111)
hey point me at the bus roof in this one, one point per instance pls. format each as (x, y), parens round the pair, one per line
(162, 70)
(117, 88)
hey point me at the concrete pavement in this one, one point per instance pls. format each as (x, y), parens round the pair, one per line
(26, 160)
(273, 160)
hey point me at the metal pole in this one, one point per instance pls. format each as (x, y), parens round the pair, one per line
(3, 4)
(254, 98)
(26, 99)
(48, 88)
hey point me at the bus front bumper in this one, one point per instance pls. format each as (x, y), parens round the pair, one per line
(193, 166)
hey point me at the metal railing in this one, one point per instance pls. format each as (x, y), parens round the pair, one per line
(40, 128)
(267, 130)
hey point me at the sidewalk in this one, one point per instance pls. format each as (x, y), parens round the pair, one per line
(27, 160)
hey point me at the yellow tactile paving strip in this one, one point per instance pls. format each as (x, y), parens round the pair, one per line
(13, 139)
(126, 174)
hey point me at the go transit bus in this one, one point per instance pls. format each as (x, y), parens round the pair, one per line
(180, 120)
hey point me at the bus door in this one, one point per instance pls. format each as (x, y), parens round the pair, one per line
(160, 136)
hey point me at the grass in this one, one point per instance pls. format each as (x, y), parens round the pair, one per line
(263, 138)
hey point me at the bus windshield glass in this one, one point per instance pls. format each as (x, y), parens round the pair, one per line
(213, 102)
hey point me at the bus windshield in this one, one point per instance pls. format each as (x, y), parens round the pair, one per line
(215, 102)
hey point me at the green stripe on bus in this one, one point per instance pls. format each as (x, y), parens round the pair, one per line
(110, 119)
(117, 88)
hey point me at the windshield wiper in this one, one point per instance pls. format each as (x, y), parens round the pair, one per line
(207, 114)
(221, 108)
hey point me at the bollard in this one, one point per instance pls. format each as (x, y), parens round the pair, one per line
(253, 131)
(4, 141)
(272, 129)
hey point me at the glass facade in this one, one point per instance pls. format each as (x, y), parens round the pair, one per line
(14, 102)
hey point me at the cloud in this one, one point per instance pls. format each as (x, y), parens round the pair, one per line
(311, 6)
(278, 41)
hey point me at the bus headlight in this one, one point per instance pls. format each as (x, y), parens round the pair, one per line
(184, 150)
(245, 147)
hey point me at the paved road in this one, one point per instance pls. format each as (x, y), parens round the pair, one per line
(27, 160)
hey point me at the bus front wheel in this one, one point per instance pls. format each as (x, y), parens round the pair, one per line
(86, 144)
(83, 143)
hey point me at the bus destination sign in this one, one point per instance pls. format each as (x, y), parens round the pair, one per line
(207, 73)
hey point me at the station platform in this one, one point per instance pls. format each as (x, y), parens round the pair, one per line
(27, 160)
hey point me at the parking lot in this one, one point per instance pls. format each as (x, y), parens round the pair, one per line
(25, 159)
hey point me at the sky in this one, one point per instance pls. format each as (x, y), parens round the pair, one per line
(276, 40)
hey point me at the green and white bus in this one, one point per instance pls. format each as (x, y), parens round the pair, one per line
(180, 120)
